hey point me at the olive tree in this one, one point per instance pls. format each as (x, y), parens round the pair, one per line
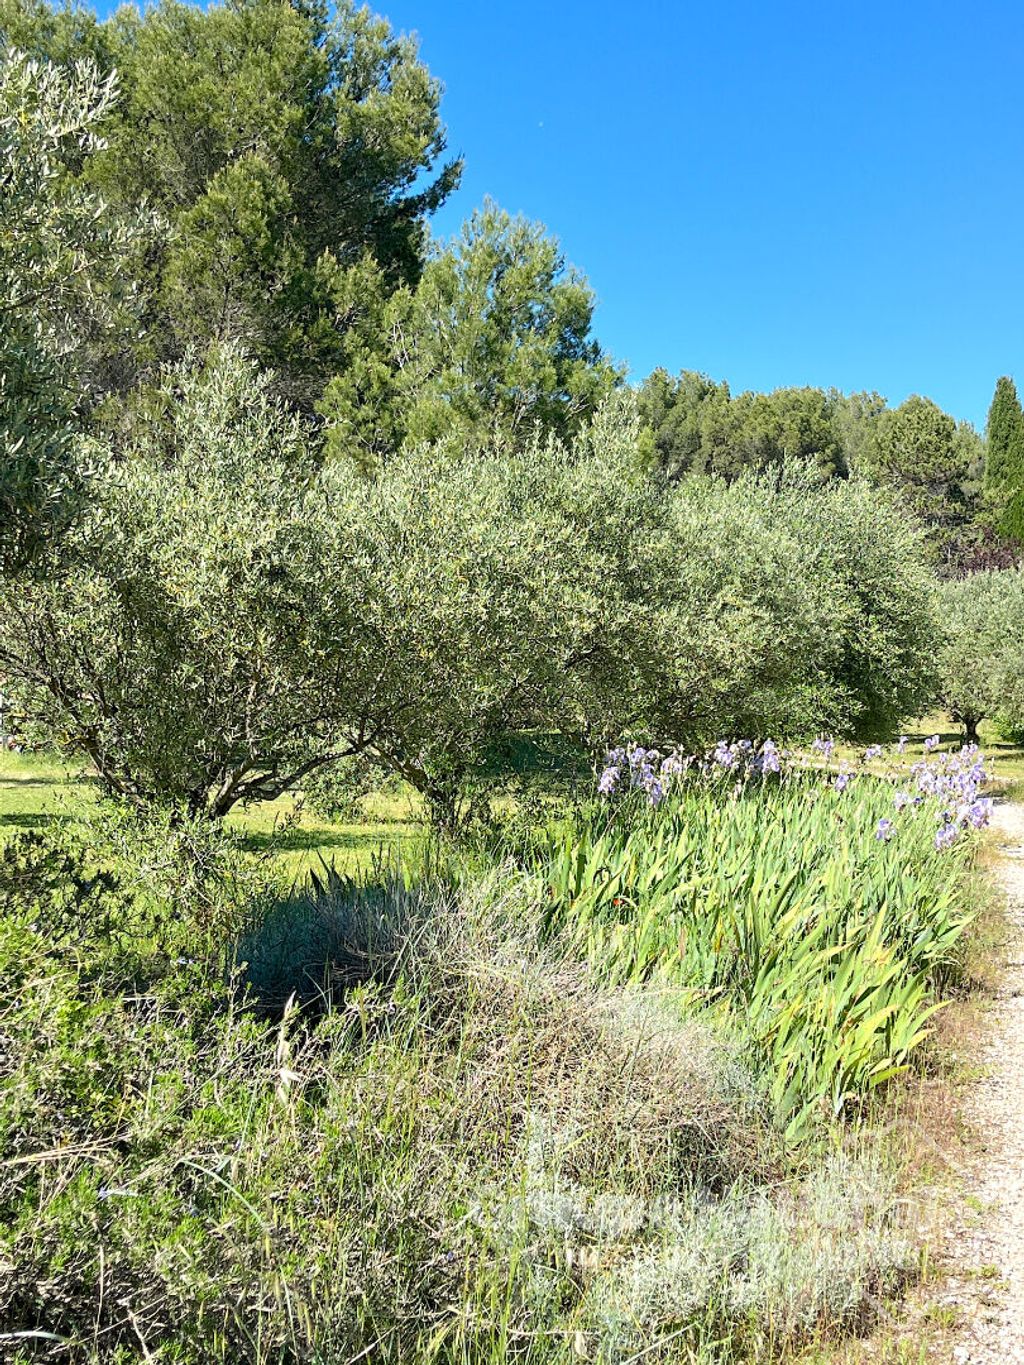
(188, 640)
(63, 280)
(228, 618)
(563, 589)
(500, 593)
(784, 606)
(982, 658)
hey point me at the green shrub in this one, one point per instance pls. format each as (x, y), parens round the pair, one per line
(313, 945)
(123, 891)
(237, 1193)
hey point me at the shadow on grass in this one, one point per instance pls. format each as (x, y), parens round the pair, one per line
(38, 821)
(313, 840)
(33, 780)
(947, 738)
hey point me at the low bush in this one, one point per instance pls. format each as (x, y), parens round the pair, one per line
(480, 1153)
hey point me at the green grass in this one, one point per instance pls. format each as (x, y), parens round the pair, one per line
(39, 788)
(1004, 759)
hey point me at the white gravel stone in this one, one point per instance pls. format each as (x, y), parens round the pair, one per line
(986, 1248)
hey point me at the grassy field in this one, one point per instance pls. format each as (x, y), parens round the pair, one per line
(1003, 759)
(37, 789)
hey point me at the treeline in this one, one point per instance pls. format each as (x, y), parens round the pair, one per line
(965, 489)
(261, 174)
(264, 174)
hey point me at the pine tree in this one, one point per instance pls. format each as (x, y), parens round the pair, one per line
(1004, 461)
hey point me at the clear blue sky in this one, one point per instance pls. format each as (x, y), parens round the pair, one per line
(775, 193)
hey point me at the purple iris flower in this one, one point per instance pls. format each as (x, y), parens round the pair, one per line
(946, 837)
(609, 781)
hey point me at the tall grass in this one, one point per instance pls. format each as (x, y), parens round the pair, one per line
(779, 907)
(523, 1114)
(481, 1154)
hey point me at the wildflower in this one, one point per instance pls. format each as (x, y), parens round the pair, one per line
(874, 751)
(672, 766)
(946, 836)
(824, 745)
(901, 748)
(609, 781)
(842, 781)
(769, 758)
(932, 744)
(902, 799)
(724, 755)
(885, 830)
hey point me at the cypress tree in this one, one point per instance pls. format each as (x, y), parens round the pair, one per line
(1004, 460)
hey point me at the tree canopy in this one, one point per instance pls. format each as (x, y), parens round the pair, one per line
(65, 284)
(280, 147)
(982, 660)
(493, 343)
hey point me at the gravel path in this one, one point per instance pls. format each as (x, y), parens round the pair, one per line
(987, 1248)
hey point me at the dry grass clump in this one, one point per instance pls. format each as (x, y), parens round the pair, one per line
(625, 1087)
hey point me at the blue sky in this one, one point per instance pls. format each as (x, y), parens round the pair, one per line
(787, 193)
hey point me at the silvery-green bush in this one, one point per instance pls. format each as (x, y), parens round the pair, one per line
(982, 659)
(227, 618)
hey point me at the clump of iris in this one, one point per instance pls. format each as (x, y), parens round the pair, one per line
(949, 783)
(635, 768)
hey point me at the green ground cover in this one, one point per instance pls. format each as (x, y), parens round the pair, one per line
(616, 1090)
(38, 789)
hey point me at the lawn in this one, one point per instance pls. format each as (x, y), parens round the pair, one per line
(38, 788)
(1004, 760)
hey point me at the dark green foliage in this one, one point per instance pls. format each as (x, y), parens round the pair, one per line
(117, 889)
(331, 934)
(1004, 433)
(280, 148)
(697, 426)
(933, 462)
(73, 897)
(1004, 467)
(492, 345)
